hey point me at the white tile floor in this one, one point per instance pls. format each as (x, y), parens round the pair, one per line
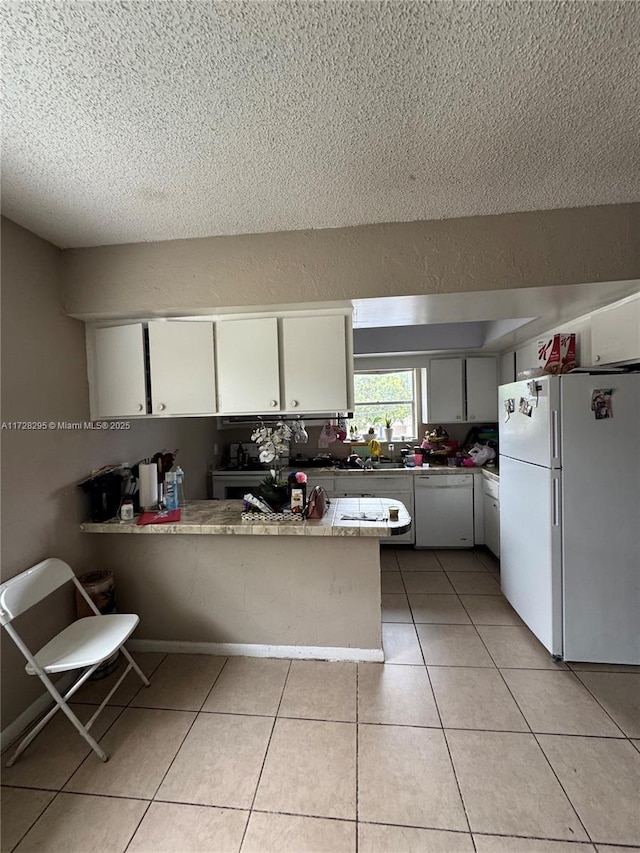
(468, 738)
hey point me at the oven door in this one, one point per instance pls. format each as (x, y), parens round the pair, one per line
(226, 487)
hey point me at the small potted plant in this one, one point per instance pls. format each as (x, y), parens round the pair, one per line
(388, 429)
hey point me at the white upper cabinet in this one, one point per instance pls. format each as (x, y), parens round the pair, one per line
(459, 390)
(287, 365)
(248, 369)
(265, 364)
(116, 371)
(444, 391)
(615, 334)
(182, 370)
(314, 360)
(482, 389)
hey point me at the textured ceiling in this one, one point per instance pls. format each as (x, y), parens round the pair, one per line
(137, 121)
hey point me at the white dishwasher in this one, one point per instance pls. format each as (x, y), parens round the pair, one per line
(444, 510)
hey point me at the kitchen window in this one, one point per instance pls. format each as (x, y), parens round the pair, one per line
(386, 394)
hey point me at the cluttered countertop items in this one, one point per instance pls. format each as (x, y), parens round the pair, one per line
(344, 517)
(123, 491)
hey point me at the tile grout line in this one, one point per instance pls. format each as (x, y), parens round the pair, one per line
(264, 759)
(121, 708)
(529, 727)
(187, 733)
(444, 734)
(446, 740)
(35, 821)
(533, 734)
(588, 689)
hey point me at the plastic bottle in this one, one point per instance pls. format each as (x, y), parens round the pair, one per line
(180, 485)
(171, 490)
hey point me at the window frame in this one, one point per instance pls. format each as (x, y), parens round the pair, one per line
(414, 402)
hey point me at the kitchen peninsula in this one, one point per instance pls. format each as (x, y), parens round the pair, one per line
(213, 583)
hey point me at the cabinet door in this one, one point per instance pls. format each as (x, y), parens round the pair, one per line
(482, 389)
(615, 334)
(182, 367)
(445, 391)
(314, 361)
(117, 375)
(492, 524)
(247, 358)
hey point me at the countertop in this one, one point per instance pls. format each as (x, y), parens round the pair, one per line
(223, 517)
(492, 473)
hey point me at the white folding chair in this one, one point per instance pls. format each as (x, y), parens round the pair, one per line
(85, 644)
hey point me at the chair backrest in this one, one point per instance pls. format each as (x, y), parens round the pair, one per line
(28, 588)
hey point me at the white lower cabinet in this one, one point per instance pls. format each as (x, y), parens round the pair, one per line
(491, 501)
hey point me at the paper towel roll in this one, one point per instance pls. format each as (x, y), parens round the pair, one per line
(148, 485)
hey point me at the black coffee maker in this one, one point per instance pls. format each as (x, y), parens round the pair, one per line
(105, 493)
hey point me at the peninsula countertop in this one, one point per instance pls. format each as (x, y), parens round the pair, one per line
(224, 517)
(382, 470)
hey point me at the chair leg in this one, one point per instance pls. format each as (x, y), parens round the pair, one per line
(135, 666)
(102, 755)
(60, 705)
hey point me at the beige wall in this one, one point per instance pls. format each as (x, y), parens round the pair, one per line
(267, 590)
(456, 255)
(44, 378)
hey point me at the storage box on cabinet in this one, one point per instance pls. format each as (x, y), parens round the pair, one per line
(168, 371)
(460, 389)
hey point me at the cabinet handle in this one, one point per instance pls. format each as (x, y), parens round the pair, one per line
(140, 407)
(597, 358)
(294, 403)
(273, 403)
(472, 417)
(161, 407)
(458, 417)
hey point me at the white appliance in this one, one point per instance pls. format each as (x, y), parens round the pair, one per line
(570, 514)
(444, 510)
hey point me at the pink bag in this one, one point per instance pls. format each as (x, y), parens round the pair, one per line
(318, 503)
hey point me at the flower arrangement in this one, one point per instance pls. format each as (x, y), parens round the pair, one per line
(273, 441)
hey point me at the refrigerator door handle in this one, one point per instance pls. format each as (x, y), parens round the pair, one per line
(555, 511)
(555, 443)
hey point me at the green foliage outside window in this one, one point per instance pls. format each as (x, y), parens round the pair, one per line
(379, 396)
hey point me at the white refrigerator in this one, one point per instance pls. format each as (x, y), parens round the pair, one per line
(570, 512)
